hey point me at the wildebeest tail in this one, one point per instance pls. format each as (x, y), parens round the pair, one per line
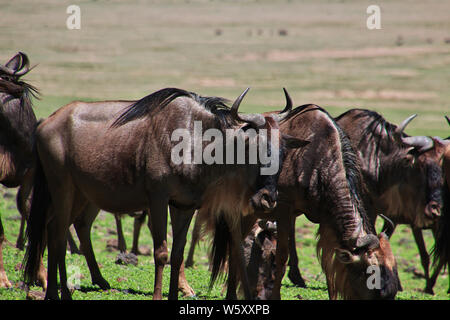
(441, 249)
(36, 225)
(220, 248)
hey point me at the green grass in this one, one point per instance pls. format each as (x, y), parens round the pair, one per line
(128, 49)
(136, 282)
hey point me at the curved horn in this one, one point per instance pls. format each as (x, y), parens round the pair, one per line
(287, 109)
(369, 241)
(236, 103)
(448, 120)
(388, 230)
(24, 67)
(288, 106)
(257, 119)
(422, 143)
(403, 125)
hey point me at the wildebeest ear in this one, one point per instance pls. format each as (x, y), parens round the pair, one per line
(293, 142)
(345, 256)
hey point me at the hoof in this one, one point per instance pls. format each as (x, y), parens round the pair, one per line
(296, 278)
(102, 283)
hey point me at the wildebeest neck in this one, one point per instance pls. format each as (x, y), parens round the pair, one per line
(327, 171)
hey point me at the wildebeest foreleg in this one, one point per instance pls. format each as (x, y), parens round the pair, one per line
(424, 257)
(180, 224)
(157, 224)
(437, 269)
(294, 272)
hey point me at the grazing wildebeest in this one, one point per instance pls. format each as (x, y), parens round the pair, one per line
(402, 174)
(17, 125)
(118, 156)
(441, 250)
(324, 182)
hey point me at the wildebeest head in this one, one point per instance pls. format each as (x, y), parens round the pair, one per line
(17, 120)
(265, 198)
(366, 272)
(403, 172)
(425, 174)
(236, 172)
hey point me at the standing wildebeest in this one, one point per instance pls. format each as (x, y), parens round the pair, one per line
(402, 173)
(323, 181)
(17, 125)
(441, 250)
(118, 157)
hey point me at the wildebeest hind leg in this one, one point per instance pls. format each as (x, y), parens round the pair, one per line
(57, 239)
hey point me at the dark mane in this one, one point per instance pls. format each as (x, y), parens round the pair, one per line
(377, 130)
(160, 99)
(353, 169)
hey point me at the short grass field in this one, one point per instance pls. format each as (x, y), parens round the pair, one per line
(136, 282)
(321, 51)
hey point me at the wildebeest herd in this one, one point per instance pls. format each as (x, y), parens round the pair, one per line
(116, 156)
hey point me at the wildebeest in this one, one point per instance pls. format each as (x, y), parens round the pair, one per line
(402, 174)
(117, 156)
(324, 182)
(441, 250)
(17, 125)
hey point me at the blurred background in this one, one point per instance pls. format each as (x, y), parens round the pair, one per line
(321, 51)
